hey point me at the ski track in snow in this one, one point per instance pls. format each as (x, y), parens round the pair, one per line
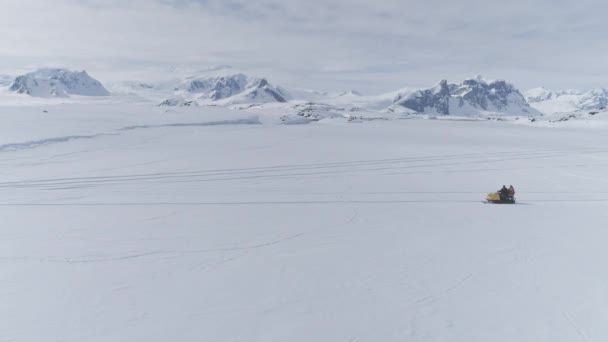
(445, 291)
(42, 142)
(167, 253)
(11, 147)
(250, 121)
(274, 172)
(576, 327)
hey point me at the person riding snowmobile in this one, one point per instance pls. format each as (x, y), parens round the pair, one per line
(504, 193)
(511, 192)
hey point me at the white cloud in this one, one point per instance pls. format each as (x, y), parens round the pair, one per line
(327, 44)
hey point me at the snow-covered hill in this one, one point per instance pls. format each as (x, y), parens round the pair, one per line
(58, 83)
(550, 101)
(259, 90)
(435, 100)
(473, 96)
(228, 89)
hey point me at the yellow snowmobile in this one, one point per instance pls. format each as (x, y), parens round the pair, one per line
(494, 197)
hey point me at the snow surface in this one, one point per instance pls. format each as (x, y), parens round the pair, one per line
(142, 223)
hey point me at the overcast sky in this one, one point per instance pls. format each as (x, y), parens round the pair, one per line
(373, 46)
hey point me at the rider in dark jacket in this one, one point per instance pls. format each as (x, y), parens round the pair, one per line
(504, 193)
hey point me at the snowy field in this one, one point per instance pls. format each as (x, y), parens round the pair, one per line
(131, 223)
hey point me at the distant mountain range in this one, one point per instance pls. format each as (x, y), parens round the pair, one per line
(550, 101)
(223, 87)
(230, 90)
(473, 96)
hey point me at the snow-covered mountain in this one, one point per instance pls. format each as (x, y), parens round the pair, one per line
(541, 94)
(473, 96)
(435, 100)
(259, 90)
(216, 88)
(228, 90)
(550, 101)
(58, 83)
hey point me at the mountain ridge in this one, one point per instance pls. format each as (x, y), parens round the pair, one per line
(55, 82)
(472, 96)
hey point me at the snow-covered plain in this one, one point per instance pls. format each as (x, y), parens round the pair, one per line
(138, 223)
